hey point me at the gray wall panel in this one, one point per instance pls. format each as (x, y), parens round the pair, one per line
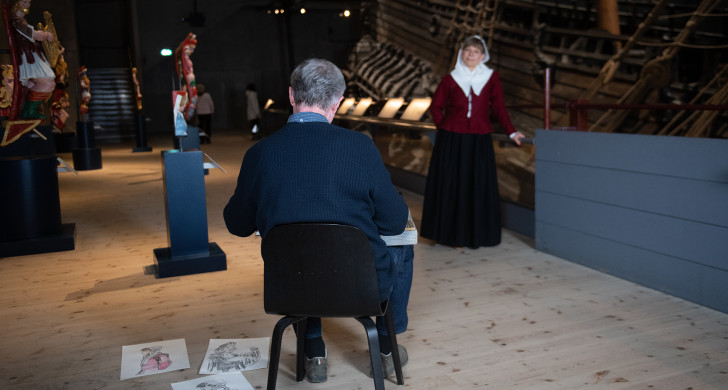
(650, 209)
(674, 276)
(689, 240)
(699, 200)
(702, 159)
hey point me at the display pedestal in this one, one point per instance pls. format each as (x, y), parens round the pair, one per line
(31, 221)
(65, 142)
(189, 250)
(86, 156)
(191, 141)
(32, 144)
(141, 134)
(168, 265)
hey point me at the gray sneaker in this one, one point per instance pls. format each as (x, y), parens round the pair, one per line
(316, 369)
(388, 361)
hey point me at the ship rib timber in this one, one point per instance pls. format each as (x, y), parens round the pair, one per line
(655, 74)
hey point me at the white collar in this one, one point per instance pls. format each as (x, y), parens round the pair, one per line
(475, 79)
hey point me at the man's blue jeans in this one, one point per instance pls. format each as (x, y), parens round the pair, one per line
(403, 258)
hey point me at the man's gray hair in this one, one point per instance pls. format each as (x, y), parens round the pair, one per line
(317, 83)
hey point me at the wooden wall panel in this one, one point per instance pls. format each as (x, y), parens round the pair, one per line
(650, 209)
(690, 240)
(691, 281)
(406, 23)
(690, 158)
(698, 200)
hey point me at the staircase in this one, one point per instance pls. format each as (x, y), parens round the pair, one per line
(112, 105)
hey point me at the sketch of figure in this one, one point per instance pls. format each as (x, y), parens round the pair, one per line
(226, 357)
(153, 360)
(215, 385)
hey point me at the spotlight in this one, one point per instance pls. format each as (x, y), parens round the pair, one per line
(303, 11)
(347, 13)
(166, 52)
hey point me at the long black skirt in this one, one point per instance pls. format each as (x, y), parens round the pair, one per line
(461, 205)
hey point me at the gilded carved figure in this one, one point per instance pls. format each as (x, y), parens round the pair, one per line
(6, 90)
(84, 84)
(137, 88)
(35, 71)
(186, 73)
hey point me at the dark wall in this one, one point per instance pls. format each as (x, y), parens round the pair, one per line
(104, 33)
(239, 44)
(649, 209)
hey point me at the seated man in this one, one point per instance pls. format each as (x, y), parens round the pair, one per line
(313, 171)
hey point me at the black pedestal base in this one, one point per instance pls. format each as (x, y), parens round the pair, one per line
(86, 156)
(87, 159)
(185, 265)
(63, 241)
(65, 142)
(141, 134)
(31, 144)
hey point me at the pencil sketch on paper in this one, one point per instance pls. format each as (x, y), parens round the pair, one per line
(223, 381)
(153, 358)
(227, 357)
(235, 355)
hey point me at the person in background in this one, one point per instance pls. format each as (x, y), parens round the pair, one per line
(461, 206)
(205, 110)
(253, 110)
(313, 171)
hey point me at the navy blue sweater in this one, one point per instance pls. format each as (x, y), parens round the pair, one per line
(318, 172)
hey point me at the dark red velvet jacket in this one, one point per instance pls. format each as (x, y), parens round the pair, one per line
(449, 108)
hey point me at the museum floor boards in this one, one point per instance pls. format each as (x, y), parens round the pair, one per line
(508, 317)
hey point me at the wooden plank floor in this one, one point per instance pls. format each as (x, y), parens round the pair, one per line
(508, 317)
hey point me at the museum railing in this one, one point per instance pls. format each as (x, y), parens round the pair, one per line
(406, 147)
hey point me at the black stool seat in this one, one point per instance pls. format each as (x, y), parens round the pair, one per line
(323, 270)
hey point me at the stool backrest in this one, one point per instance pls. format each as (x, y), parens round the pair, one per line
(319, 270)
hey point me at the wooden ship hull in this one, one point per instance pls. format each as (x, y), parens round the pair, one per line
(647, 66)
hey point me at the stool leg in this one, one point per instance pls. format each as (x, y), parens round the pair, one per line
(395, 348)
(275, 348)
(373, 338)
(300, 339)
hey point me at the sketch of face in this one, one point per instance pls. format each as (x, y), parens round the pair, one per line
(227, 347)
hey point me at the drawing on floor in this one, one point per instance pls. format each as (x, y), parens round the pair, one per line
(223, 381)
(225, 355)
(153, 358)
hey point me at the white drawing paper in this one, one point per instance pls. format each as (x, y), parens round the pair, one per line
(153, 358)
(224, 381)
(227, 355)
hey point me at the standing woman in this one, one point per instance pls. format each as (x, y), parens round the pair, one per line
(461, 203)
